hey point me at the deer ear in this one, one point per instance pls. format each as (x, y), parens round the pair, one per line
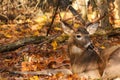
(67, 28)
(92, 28)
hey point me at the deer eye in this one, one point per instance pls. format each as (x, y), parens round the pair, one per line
(78, 35)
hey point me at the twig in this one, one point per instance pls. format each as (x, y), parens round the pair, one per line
(36, 5)
(50, 39)
(53, 17)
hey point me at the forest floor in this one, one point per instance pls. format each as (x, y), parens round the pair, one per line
(33, 57)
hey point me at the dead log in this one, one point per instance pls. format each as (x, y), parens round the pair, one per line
(28, 40)
(22, 42)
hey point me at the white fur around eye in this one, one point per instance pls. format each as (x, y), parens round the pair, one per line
(78, 37)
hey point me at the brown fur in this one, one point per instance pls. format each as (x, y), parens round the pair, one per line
(87, 62)
(84, 59)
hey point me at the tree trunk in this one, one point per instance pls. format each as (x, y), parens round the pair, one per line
(103, 9)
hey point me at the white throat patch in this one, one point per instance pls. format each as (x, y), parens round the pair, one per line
(76, 50)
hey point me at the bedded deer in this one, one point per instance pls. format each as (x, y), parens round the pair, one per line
(85, 61)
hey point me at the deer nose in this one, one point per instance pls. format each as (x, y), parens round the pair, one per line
(89, 45)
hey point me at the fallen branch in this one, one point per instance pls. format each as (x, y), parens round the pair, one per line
(21, 42)
(28, 40)
(48, 72)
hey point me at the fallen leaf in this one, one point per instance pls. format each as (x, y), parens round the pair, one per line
(103, 47)
(34, 78)
(54, 45)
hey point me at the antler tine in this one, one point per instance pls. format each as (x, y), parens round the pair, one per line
(64, 23)
(98, 19)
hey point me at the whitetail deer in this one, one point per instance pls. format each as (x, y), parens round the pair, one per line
(85, 61)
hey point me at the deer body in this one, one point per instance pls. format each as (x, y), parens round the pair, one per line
(86, 62)
(112, 69)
